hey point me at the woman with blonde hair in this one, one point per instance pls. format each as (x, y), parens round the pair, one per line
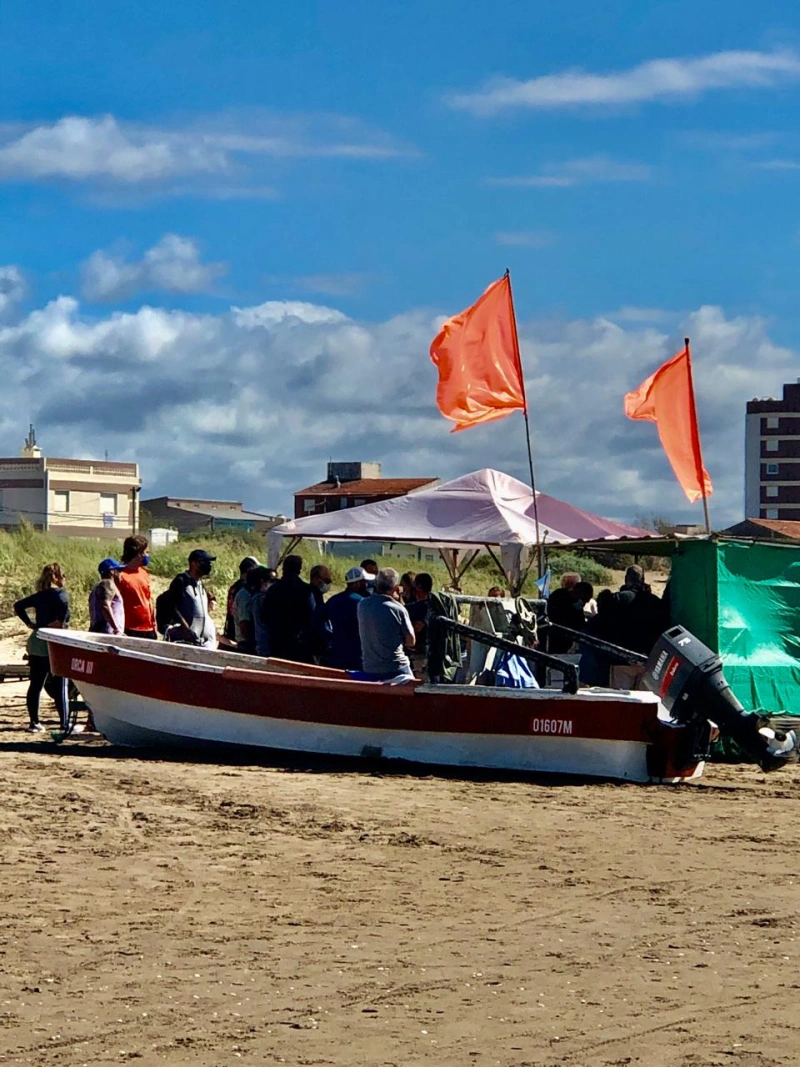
(50, 605)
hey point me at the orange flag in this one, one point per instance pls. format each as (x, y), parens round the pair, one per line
(477, 353)
(667, 399)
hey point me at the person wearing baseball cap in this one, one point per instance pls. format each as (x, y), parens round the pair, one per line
(190, 603)
(342, 615)
(106, 610)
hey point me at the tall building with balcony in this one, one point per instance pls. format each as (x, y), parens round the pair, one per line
(772, 456)
(69, 497)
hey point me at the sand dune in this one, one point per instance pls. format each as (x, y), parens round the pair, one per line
(188, 913)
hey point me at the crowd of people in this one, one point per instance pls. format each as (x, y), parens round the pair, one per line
(369, 628)
(632, 618)
(376, 628)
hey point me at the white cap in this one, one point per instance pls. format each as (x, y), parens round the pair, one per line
(356, 574)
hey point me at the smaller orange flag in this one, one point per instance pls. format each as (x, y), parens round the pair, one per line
(667, 399)
(477, 353)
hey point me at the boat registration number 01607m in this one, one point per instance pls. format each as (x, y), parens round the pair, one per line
(81, 666)
(551, 726)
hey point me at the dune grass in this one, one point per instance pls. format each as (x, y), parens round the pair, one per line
(24, 551)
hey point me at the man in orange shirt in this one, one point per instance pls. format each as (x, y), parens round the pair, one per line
(134, 587)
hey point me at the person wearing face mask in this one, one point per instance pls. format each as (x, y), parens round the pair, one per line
(190, 603)
(318, 637)
(134, 588)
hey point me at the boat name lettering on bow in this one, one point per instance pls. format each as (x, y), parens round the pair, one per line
(551, 726)
(81, 666)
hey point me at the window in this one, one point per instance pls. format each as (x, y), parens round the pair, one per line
(772, 445)
(61, 500)
(772, 490)
(108, 503)
(772, 422)
(309, 506)
(772, 513)
(359, 500)
(772, 468)
(342, 502)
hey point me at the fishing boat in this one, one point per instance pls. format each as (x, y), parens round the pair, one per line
(144, 693)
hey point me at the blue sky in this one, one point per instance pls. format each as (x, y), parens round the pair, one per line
(635, 164)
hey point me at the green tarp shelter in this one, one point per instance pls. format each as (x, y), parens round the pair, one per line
(742, 599)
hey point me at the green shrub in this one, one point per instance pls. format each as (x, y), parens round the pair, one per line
(589, 569)
(24, 551)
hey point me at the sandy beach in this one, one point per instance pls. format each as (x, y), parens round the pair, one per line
(165, 910)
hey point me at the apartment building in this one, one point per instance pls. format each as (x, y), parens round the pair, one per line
(772, 456)
(70, 497)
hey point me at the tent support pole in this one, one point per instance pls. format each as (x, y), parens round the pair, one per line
(468, 561)
(500, 567)
(293, 543)
(450, 570)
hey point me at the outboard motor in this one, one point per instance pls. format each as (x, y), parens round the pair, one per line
(688, 678)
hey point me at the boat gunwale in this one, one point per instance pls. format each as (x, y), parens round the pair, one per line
(286, 672)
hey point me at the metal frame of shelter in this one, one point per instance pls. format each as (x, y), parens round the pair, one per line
(449, 554)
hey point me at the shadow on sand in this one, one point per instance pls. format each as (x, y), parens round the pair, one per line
(222, 755)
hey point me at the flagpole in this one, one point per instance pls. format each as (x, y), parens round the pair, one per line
(696, 433)
(539, 552)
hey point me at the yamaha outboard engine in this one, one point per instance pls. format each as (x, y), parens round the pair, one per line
(688, 678)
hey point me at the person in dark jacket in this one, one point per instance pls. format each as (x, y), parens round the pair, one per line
(286, 611)
(341, 612)
(564, 608)
(50, 605)
(641, 617)
(318, 638)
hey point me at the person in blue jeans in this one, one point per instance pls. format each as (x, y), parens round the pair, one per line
(50, 605)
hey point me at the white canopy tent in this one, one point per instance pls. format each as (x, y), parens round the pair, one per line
(485, 510)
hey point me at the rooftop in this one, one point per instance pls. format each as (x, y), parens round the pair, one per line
(789, 528)
(77, 466)
(367, 487)
(215, 509)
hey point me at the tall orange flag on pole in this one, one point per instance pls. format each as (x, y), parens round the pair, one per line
(667, 399)
(477, 354)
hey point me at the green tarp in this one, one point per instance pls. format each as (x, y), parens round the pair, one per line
(743, 600)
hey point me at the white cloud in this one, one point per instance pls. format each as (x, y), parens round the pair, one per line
(630, 313)
(524, 239)
(78, 148)
(667, 80)
(104, 149)
(12, 289)
(713, 140)
(251, 403)
(173, 265)
(577, 172)
(778, 164)
(333, 284)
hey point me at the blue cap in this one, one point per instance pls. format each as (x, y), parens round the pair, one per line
(110, 565)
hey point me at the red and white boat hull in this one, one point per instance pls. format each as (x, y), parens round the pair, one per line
(143, 693)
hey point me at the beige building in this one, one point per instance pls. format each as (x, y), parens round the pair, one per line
(70, 497)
